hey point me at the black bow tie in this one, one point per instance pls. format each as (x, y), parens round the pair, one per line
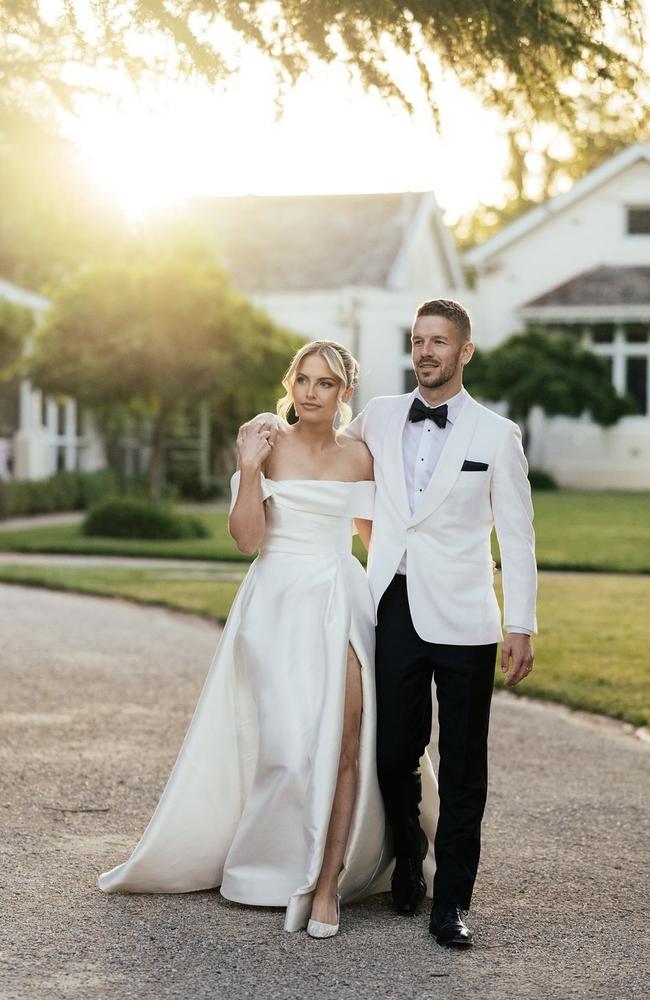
(419, 411)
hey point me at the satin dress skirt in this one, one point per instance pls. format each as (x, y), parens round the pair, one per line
(248, 803)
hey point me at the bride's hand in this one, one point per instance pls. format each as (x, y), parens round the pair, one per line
(254, 445)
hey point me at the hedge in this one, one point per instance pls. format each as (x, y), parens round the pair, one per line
(133, 517)
(63, 491)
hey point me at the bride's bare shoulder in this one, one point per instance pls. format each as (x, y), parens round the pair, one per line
(359, 457)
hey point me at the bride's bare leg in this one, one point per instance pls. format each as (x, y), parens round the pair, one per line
(324, 905)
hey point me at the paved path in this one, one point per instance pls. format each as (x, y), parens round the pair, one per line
(230, 570)
(96, 697)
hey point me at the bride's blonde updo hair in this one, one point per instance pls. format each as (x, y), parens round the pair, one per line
(342, 365)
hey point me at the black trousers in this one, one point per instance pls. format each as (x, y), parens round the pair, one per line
(464, 679)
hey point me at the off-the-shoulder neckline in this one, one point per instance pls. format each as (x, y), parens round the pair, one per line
(341, 482)
(338, 482)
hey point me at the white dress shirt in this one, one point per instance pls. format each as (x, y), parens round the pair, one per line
(422, 445)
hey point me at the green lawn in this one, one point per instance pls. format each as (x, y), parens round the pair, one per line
(591, 654)
(599, 531)
(199, 592)
(608, 532)
(68, 539)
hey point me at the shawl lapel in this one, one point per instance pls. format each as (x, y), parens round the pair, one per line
(450, 462)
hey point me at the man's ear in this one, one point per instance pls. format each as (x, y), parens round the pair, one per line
(468, 351)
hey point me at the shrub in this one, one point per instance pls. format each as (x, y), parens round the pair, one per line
(63, 491)
(540, 480)
(132, 517)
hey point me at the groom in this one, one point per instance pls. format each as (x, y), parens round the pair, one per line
(448, 470)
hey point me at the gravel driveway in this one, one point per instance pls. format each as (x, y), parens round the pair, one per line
(96, 697)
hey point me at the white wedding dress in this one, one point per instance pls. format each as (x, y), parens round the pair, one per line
(248, 802)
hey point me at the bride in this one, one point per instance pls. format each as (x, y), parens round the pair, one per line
(274, 794)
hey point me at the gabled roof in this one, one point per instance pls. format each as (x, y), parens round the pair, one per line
(22, 296)
(601, 286)
(313, 242)
(537, 216)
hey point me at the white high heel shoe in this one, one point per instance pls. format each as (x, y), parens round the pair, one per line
(317, 929)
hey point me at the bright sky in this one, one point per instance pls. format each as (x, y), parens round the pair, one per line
(152, 149)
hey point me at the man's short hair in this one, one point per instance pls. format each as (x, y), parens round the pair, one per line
(453, 311)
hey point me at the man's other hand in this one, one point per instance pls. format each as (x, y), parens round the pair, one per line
(516, 658)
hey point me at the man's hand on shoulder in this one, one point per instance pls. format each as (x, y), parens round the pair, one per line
(516, 657)
(269, 423)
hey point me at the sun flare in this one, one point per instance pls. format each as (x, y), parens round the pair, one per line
(152, 150)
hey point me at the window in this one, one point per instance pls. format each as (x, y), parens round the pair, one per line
(636, 381)
(603, 333)
(636, 333)
(410, 381)
(638, 220)
(625, 349)
(406, 333)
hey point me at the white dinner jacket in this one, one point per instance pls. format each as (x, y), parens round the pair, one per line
(446, 537)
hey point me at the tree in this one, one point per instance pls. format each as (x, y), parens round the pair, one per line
(528, 49)
(155, 337)
(52, 219)
(545, 157)
(550, 370)
(16, 326)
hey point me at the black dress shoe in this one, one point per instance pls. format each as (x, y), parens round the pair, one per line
(407, 885)
(448, 927)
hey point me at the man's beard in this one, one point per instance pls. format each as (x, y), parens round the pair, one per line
(439, 376)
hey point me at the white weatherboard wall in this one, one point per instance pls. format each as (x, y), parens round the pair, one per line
(579, 231)
(582, 455)
(589, 233)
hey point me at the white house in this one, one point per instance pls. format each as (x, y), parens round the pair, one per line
(40, 435)
(581, 262)
(354, 267)
(351, 268)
